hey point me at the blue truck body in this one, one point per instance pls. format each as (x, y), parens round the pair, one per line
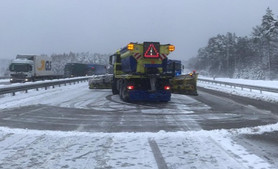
(173, 67)
(129, 64)
(143, 95)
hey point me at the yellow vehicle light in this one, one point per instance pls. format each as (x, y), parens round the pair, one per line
(171, 48)
(130, 46)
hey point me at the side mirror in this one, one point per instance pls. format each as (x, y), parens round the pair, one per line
(118, 58)
(110, 59)
(114, 58)
(174, 69)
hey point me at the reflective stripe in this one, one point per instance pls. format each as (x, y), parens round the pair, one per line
(137, 56)
(162, 56)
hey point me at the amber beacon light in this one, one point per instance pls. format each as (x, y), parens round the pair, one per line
(171, 48)
(130, 46)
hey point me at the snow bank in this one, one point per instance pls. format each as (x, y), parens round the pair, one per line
(261, 83)
(254, 94)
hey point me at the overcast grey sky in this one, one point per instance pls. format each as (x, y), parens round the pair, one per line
(103, 26)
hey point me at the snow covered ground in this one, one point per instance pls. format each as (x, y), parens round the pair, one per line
(263, 83)
(265, 96)
(24, 148)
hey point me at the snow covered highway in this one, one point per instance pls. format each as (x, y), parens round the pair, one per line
(75, 127)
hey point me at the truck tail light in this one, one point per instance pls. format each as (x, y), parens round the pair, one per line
(171, 48)
(167, 87)
(130, 87)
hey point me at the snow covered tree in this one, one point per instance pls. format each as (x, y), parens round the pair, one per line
(265, 40)
(243, 57)
(60, 60)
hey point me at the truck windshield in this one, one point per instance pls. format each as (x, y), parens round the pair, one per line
(20, 67)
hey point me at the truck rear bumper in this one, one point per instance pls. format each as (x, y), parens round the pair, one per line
(157, 96)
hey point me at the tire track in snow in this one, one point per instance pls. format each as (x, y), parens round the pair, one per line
(161, 164)
(190, 124)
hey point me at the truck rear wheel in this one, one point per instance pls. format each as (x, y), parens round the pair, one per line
(124, 92)
(114, 87)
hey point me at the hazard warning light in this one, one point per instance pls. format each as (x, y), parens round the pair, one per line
(151, 49)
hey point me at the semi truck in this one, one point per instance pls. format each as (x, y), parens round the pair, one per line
(83, 69)
(96, 69)
(182, 83)
(139, 72)
(30, 68)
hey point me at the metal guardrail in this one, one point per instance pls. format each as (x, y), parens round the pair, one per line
(45, 85)
(242, 86)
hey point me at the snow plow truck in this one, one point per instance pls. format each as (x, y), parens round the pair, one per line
(182, 83)
(138, 72)
(185, 84)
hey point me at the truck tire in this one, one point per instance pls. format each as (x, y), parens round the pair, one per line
(114, 87)
(124, 93)
(121, 92)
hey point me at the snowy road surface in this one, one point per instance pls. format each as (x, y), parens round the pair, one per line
(74, 127)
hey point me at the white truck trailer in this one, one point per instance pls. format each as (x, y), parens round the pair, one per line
(30, 68)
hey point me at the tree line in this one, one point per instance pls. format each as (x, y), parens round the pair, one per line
(254, 57)
(60, 60)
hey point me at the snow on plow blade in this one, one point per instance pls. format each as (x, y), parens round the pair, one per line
(100, 81)
(185, 84)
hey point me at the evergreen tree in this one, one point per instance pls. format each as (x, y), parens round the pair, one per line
(242, 57)
(266, 41)
(60, 60)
